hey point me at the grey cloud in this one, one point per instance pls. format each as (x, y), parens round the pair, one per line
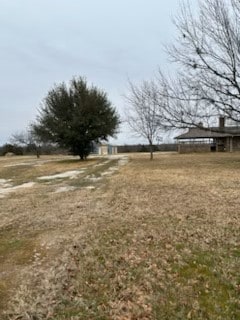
(44, 42)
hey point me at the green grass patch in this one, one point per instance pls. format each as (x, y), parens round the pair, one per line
(200, 290)
(77, 161)
(19, 248)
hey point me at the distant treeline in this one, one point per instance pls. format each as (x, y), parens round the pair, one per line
(53, 149)
(30, 149)
(145, 148)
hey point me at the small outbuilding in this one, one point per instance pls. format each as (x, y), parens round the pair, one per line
(219, 139)
(103, 149)
(107, 149)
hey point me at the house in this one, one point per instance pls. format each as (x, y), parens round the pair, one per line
(200, 139)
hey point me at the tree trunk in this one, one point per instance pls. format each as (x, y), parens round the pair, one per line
(151, 151)
(38, 152)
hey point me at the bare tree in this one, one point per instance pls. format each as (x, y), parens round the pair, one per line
(208, 54)
(27, 139)
(143, 112)
(180, 104)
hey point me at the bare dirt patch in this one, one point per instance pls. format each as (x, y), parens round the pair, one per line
(156, 240)
(68, 174)
(8, 188)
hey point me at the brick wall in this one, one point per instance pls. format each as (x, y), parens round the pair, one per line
(236, 144)
(190, 148)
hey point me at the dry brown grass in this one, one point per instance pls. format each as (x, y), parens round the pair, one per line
(157, 240)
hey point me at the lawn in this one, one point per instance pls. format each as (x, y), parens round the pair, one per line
(148, 240)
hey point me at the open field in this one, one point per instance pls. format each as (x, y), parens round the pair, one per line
(147, 240)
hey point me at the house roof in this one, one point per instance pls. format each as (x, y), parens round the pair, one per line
(234, 130)
(213, 132)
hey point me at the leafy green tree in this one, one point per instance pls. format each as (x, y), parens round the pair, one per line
(75, 116)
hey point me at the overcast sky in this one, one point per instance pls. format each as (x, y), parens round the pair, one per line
(43, 42)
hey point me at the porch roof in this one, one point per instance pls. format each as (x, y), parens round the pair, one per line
(203, 133)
